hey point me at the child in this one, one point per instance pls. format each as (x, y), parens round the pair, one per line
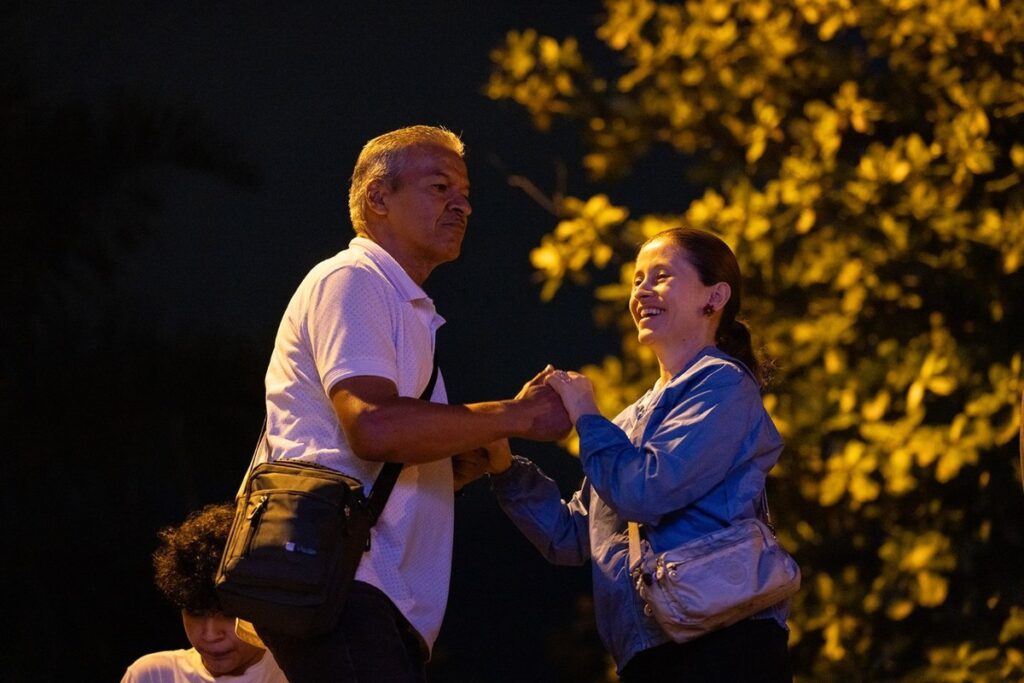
(185, 564)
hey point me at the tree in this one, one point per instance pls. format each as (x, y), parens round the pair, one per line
(864, 160)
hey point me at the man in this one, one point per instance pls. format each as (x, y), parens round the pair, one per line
(356, 344)
(185, 564)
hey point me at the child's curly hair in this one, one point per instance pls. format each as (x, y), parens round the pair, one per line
(187, 558)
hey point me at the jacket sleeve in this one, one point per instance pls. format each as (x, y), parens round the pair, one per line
(558, 529)
(690, 446)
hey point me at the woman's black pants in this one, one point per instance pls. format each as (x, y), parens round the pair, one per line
(751, 651)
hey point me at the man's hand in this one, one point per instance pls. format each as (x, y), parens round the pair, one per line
(548, 419)
(538, 380)
(469, 466)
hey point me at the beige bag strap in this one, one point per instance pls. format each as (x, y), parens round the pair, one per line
(634, 545)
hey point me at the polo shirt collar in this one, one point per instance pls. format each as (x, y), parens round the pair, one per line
(407, 289)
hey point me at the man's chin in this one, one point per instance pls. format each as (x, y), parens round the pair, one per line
(452, 254)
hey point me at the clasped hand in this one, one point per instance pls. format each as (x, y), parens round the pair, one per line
(572, 389)
(576, 392)
(556, 400)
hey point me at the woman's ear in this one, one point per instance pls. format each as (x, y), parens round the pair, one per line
(719, 295)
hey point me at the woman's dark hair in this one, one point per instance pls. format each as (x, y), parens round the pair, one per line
(714, 262)
(187, 558)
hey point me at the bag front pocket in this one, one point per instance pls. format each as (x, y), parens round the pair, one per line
(718, 579)
(292, 540)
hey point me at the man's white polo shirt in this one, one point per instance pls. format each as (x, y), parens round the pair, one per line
(359, 313)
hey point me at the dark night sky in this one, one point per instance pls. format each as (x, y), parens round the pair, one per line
(298, 91)
(297, 88)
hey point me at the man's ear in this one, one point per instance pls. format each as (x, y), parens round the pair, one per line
(376, 196)
(719, 295)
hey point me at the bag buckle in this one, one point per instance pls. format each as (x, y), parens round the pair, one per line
(640, 576)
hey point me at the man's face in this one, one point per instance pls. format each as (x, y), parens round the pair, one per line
(426, 213)
(213, 636)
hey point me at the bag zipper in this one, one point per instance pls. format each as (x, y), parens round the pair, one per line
(253, 517)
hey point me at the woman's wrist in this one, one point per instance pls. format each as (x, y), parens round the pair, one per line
(500, 471)
(582, 409)
(499, 468)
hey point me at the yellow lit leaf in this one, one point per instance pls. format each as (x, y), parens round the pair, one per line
(864, 489)
(1013, 627)
(834, 361)
(833, 648)
(806, 220)
(875, 408)
(943, 386)
(950, 463)
(755, 150)
(919, 557)
(899, 609)
(899, 172)
(915, 394)
(832, 488)
(549, 51)
(850, 273)
(547, 258)
(829, 27)
(931, 589)
(1017, 155)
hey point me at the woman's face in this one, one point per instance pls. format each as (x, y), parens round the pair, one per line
(667, 299)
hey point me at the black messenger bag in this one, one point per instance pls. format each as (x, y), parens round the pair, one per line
(299, 532)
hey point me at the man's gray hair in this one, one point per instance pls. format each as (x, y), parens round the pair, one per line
(384, 158)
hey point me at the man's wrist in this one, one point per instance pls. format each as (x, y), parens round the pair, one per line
(518, 418)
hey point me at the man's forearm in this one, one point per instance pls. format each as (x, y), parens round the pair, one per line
(382, 426)
(413, 431)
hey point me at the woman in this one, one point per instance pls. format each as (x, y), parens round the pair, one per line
(688, 458)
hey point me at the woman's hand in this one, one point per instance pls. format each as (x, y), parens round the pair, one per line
(469, 466)
(576, 392)
(499, 456)
(541, 406)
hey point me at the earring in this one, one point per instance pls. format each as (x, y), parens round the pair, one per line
(708, 309)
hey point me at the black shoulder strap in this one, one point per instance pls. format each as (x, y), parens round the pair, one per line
(389, 473)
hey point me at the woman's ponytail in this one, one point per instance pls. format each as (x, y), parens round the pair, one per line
(734, 338)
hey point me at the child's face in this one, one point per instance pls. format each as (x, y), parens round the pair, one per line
(213, 636)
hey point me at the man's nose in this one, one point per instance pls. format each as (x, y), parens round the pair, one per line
(462, 205)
